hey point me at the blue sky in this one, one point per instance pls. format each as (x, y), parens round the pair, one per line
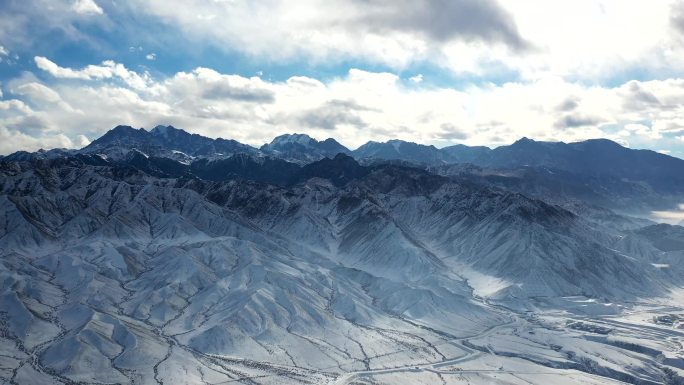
(431, 71)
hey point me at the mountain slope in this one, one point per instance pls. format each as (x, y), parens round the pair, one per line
(565, 187)
(129, 275)
(597, 157)
(402, 150)
(113, 275)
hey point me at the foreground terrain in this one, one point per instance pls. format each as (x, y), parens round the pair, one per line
(347, 274)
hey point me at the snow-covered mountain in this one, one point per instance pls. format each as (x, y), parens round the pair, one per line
(163, 141)
(302, 148)
(597, 157)
(25, 156)
(401, 150)
(598, 172)
(159, 257)
(112, 275)
(634, 196)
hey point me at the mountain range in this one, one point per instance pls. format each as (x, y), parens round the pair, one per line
(597, 171)
(163, 257)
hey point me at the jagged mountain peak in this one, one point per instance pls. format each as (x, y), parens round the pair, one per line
(302, 148)
(163, 141)
(122, 130)
(125, 136)
(164, 131)
(303, 139)
(170, 132)
(523, 140)
(300, 139)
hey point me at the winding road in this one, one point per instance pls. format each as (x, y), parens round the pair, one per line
(434, 367)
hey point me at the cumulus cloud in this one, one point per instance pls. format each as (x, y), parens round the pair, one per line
(14, 105)
(107, 70)
(13, 140)
(151, 56)
(53, 69)
(37, 92)
(3, 51)
(215, 86)
(354, 108)
(86, 7)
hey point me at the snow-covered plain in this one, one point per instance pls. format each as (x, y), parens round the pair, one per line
(108, 275)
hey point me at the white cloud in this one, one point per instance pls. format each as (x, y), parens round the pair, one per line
(355, 108)
(396, 33)
(86, 7)
(586, 39)
(151, 56)
(38, 92)
(81, 141)
(107, 70)
(3, 51)
(641, 130)
(591, 40)
(672, 217)
(61, 72)
(12, 140)
(416, 79)
(14, 105)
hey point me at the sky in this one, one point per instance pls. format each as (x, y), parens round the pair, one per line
(441, 72)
